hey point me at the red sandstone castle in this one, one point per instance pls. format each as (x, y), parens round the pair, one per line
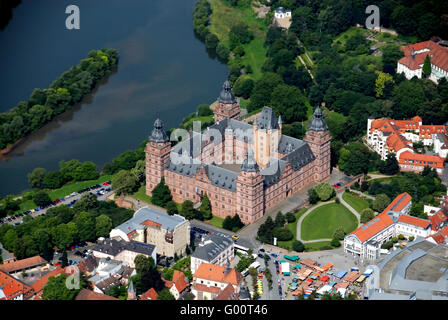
(243, 168)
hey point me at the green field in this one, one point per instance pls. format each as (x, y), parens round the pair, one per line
(76, 186)
(65, 191)
(323, 221)
(356, 202)
(293, 228)
(216, 221)
(141, 195)
(315, 246)
(224, 17)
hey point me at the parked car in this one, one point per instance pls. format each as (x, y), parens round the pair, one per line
(261, 250)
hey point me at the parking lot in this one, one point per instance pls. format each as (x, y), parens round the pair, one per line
(100, 190)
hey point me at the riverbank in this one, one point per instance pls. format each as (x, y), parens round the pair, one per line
(65, 92)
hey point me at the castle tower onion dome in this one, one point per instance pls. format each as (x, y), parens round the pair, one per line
(318, 122)
(249, 164)
(158, 134)
(226, 96)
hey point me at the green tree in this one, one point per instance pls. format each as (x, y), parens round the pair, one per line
(171, 208)
(335, 243)
(205, 208)
(211, 41)
(427, 66)
(243, 87)
(289, 102)
(324, 191)
(41, 198)
(366, 215)
(381, 202)
(165, 294)
(390, 165)
(124, 182)
(143, 264)
(85, 222)
(339, 233)
(236, 223)
(86, 171)
(88, 201)
(53, 180)
(282, 234)
(187, 210)
(222, 51)
(161, 194)
(56, 288)
(204, 110)
(103, 225)
(279, 219)
(290, 218)
(263, 88)
(383, 80)
(36, 178)
(298, 246)
(313, 197)
(64, 259)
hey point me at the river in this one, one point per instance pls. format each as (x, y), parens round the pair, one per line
(164, 71)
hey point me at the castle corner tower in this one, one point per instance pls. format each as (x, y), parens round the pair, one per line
(318, 138)
(157, 155)
(249, 185)
(228, 106)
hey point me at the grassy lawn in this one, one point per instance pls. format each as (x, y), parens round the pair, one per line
(216, 221)
(356, 202)
(293, 228)
(315, 246)
(224, 17)
(323, 221)
(76, 186)
(141, 195)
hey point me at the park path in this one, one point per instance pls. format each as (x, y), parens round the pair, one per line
(299, 222)
(363, 194)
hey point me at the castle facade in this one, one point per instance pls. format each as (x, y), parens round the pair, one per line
(243, 168)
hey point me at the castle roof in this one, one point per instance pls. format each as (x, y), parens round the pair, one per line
(158, 134)
(267, 119)
(226, 96)
(249, 164)
(318, 122)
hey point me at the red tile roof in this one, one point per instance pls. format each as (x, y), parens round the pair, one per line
(86, 294)
(179, 280)
(227, 294)
(421, 160)
(438, 237)
(438, 55)
(217, 273)
(23, 264)
(13, 288)
(373, 227)
(40, 284)
(414, 221)
(437, 220)
(203, 287)
(398, 203)
(151, 294)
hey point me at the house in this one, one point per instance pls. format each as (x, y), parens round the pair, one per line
(397, 136)
(7, 256)
(151, 294)
(282, 18)
(23, 264)
(366, 241)
(209, 280)
(215, 249)
(39, 285)
(178, 285)
(411, 65)
(169, 234)
(13, 289)
(124, 251)
(86, 294)
(110, 273)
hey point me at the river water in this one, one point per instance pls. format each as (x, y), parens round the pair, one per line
(164, 71)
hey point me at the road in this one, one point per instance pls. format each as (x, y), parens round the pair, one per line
(67, 201)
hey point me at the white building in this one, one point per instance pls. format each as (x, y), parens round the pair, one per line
(281, 13)
(217, 249)
(411, 65)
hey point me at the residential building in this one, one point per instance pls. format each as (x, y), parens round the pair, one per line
(13, 289)
(110, 273)
(169, 234)
(151, 294)
(7, 256)
(86, 294)
(23, 264)
(243, 168)
(210, 280)
(178, 285)
(39, 285)
(411, 65)
(215, 249)
(282, 18)
(366, 241)
(386, 136)
(124, 251)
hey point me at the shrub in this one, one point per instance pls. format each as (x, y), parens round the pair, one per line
(335, 243)
(394, 239)
(401, 237)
